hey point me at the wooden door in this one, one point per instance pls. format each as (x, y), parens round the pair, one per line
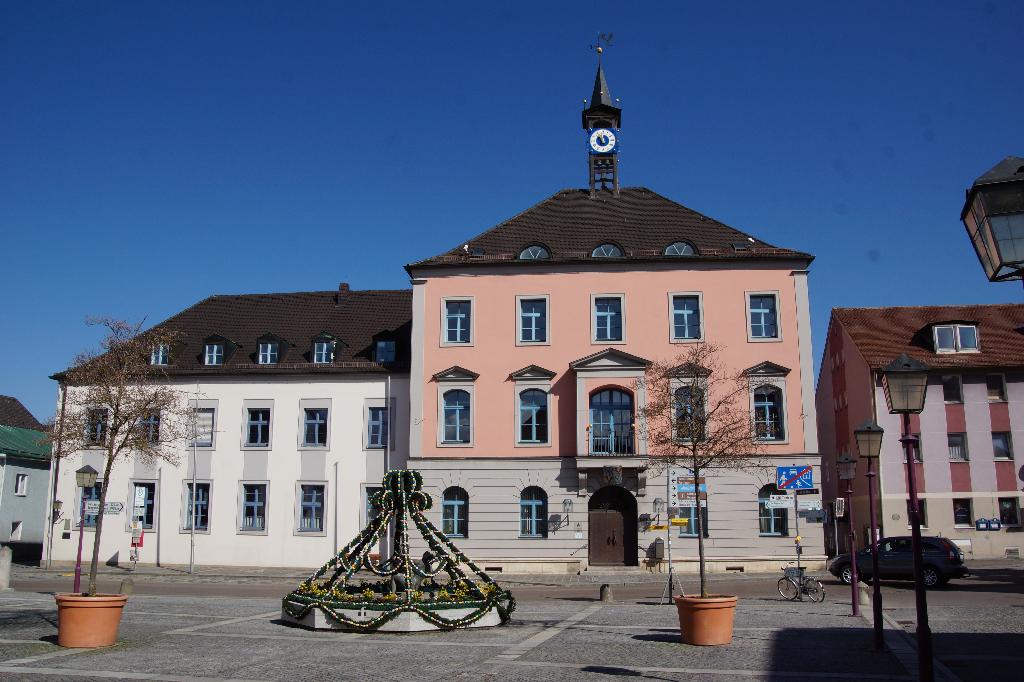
(606, 537)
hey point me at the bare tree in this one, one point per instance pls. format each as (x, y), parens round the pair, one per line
(118, 401)
(697, 415)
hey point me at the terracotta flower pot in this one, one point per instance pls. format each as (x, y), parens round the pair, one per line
(706, 622)
(88, 621)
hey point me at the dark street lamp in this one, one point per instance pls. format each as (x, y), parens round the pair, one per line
(846, 466)
(993, 214)
(904, 382)
(869, 446)
(84, 478)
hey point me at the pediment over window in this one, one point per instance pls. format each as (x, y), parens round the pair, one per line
(456, 373)
(689, 369)
(531, 372)
(766, 369)
(609, 358)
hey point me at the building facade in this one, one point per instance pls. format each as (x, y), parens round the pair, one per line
(301, 402)
(973, 417)
(24, 471)
(528, 341)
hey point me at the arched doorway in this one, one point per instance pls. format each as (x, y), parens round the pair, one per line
(612, 522)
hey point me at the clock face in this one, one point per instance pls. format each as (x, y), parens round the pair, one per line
(602, 140)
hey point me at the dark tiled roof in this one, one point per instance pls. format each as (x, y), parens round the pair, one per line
(356, 319)
(881, 334)
(13, 413)
(1010, 168)
(570, 224)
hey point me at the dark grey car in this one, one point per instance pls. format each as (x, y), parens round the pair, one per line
(943, 561)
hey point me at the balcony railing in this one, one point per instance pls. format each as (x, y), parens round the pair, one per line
(617, 443)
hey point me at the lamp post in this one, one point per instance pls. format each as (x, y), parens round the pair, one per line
(993, 215)
(84, 478)
(846, 466)
(869, 446)
(904, 382)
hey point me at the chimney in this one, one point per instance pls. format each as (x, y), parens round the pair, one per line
(343, 287)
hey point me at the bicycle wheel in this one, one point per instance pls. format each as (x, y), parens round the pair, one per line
(814, 590)
(788, 589)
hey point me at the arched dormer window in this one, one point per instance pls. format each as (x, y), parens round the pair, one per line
(455, 512)
(534, 252)
(607, 250)
(680, 249)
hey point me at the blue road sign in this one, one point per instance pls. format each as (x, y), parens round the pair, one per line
(794, 477)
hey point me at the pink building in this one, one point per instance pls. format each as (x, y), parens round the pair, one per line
(972, 420)
(527, 341)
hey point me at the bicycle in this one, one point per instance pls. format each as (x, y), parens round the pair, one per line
(794, 585)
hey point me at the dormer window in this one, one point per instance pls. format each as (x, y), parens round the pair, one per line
(213, 354)
(385, 351)
(160, 354)
(955, 338)
(268, 353)
(679, 249)
(323, 352)
(606, 251)
(534, 252)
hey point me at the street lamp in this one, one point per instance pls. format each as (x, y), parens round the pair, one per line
(904, 382)
(84, 478)
(846, 467)
(869, 446)
(993, 214)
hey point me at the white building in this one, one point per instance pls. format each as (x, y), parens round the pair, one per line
(291, 392)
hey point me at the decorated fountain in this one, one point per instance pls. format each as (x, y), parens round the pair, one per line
(402, 594)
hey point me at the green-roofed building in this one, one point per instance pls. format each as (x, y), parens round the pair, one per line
(24, 481)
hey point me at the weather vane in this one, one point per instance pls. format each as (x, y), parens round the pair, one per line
(605, 38)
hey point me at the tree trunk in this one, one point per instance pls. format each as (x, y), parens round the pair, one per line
(700, 532)
(99, 524)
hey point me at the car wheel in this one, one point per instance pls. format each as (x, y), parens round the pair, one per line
(932, 578)
(846, 574)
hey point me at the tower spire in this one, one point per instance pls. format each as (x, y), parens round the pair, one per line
(601, 120)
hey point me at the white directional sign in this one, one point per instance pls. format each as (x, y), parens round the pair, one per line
(814, 505)
(779, 502)
(92, 507)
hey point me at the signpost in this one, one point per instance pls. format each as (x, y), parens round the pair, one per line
(795, 478)
(92, 507)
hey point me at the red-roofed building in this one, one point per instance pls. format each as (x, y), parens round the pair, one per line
(972, 422)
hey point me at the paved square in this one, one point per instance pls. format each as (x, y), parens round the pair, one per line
(217, 639)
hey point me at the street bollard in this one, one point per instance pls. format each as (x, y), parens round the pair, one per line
(5, 568)
(127, 586)
(606, 592)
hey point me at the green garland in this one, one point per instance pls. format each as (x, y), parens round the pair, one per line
(401, 498)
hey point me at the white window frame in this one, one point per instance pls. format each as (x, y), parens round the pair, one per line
(378, 403)
(593, 319)
(1002, 378)
(160, 355)
(442, 388)
(184, 516)
(130, 507)
(329, 346)
(960, 382)
(257, 405)
(268, 353)
(206, 405)
(672, 338)
(956, 338)
(445, 300)
(364, 498)
(210, 352)
(240, 507)
(519, 319)
(967, 452)
(297, 522)
(779, 383)
(21, 484)
(747, 295)
(702, 384)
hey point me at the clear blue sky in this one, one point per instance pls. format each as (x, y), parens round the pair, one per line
(152, 154)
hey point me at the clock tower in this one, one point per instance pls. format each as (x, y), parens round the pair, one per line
(601, 120)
